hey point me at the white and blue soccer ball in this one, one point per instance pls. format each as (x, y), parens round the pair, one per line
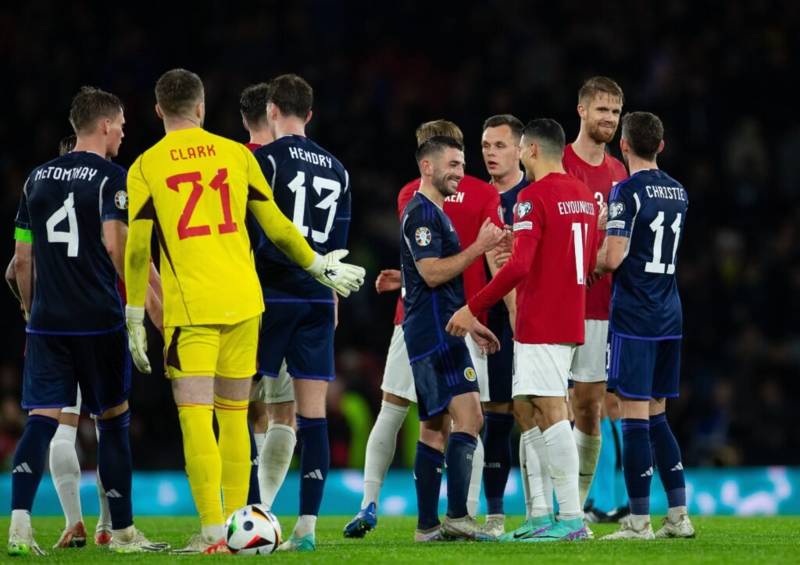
(252, 530)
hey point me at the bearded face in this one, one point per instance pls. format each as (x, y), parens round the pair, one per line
(602, 117)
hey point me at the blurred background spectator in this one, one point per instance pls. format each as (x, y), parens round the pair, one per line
(720, 78)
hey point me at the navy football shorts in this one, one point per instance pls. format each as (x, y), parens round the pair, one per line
(641, 369)
(443, 375)
(56, 364)
(301, 333)
(501, 364)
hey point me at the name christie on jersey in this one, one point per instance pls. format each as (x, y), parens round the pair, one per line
(666, 192)
(309, 157)
(60, 173)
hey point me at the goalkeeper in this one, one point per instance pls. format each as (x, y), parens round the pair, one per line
(195, 188)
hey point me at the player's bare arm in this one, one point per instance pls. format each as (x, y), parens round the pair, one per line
(11, 278)
(115, 237)
(611, 254)
(23, 268)
(509, 299)
(437, 270)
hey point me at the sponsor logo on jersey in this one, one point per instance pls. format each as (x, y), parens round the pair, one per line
(616, 209)
(470, 374)
(423, 236)
(121, 200)
(523, 209)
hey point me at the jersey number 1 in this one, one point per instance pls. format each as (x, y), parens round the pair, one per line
(657, 225)
(217, 183)
(578, 239)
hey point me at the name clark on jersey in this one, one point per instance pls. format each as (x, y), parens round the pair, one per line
(575, 207)
(198, 152)
(666, 192)
(310, 157)
(60, 173)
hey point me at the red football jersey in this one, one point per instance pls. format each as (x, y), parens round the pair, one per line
(252, 146)
(599, 179)
(555, 247)
(475, 201)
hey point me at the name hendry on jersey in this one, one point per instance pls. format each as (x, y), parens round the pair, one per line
(61, 173)
(310, 157)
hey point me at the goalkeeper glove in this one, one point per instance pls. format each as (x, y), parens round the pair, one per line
(137, 337)
(344, 278)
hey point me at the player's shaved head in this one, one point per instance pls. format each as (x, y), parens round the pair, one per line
(548, 135)
(436, 145)
(441, 128)
(178, 92)
(644, 133)
(292, 95)
(599, 84)
(91, 104)
(253, 103)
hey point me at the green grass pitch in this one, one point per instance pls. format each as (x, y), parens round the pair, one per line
(719, 540)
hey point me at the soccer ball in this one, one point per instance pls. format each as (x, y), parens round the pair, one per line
(252, 530)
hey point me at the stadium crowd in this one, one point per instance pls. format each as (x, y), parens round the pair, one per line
(720, 81)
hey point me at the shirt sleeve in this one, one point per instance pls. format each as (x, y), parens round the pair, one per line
(422, 233)
(528, 226)
(22, 223)
(114, 198)
(492, 209)
(137, 247)
(622, 209)
(341, 223)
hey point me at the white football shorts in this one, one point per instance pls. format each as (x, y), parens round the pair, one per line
(397, 376)
(274, 390)
(481, 363)
(541, 369)
(589, 364)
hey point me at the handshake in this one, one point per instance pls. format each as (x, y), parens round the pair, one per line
(328, 269)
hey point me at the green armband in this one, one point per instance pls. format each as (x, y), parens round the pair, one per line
(23, 235)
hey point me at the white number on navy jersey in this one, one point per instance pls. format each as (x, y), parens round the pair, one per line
(579, 232)
(329, 203)
(657, 225)
(70, 237)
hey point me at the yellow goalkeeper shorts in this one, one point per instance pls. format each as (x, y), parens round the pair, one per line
(215, 350)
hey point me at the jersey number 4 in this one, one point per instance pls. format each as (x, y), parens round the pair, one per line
(70, 237)
(329, 203)
(217, 183)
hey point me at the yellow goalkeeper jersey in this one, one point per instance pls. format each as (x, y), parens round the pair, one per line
(195, 186)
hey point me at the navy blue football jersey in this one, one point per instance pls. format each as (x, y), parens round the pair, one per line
(312, 188)
(649, 208)
(427, 232)
(64, 204)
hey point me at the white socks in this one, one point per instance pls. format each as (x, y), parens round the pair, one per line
(523, 475)
(306, 524)
(540, 485)
(474, 492)
(213, 533)
(563, 460)
(381, 446)
(588, 454)
(274, 460)
(20, 523)
(259, 439)
(66, 472)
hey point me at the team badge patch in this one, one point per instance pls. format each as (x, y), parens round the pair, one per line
(423, 236)
(616, 209)
(523, 209)
(470, 374)
(121, 200)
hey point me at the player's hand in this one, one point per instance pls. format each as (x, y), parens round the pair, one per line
(485, 338)
(461, 322)
(489, 236)
(602, 217)
(388, 280)
(137, 337)
(344, 278)
(501, 258)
